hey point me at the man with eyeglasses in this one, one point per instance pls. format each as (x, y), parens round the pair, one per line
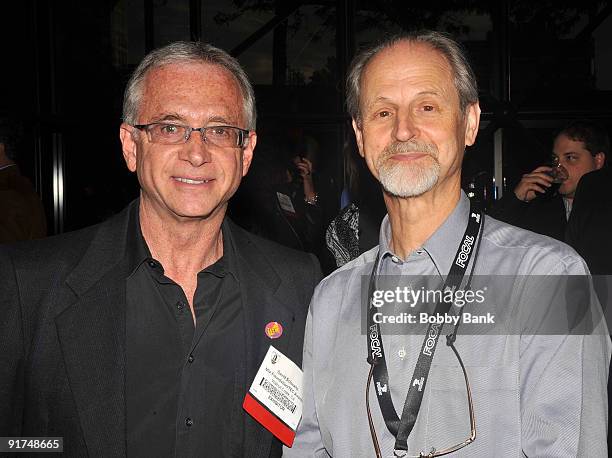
(141, 336)
(479, 392)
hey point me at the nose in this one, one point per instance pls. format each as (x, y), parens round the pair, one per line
(405, 127)
(196, 151)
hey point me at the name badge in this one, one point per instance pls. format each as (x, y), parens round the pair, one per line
(275, 396)
(285, 202)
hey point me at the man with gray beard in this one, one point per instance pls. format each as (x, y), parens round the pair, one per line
(421, 177)
(414, 104)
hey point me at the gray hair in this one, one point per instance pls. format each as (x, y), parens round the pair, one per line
(187, 52)
(464, 78)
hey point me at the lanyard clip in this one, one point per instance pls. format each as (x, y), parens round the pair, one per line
(450, 339)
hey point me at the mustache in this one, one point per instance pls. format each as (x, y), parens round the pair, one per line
(411, 146)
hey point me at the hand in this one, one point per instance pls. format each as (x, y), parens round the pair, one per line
(537, 181)
(304, 167)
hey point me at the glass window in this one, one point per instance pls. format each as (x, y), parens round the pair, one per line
(559, 55)
(170, 21)
(311, 46)
(602, 37)
(472, 25)
(226, 26)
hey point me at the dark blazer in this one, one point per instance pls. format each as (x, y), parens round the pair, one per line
(590, 225)
(545, 214)
(62, 334)
(589, 231)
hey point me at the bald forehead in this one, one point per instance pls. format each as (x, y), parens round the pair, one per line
(407, 68)
(185, 73)
(405, 53)
(193, 85)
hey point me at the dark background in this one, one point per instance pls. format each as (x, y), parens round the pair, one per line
(65, 64)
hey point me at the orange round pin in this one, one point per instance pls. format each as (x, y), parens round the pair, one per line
(274, 330)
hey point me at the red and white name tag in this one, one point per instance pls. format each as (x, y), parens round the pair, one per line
(275, 396)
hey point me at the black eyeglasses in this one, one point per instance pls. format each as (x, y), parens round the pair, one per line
(450, 341)
(175, 134)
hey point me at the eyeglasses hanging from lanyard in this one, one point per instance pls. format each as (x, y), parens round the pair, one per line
(402, 427)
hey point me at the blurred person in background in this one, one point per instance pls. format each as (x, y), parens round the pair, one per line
(286, 199)
(355, 228)
(542, 200)
(22, 216)
(589, 232)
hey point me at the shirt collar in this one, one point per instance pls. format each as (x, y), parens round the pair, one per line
(567, 203)
(229, 260)
(138, 252)
(443, 243)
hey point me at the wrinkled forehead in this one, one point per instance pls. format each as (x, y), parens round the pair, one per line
(191, 84)
(405, 63)
(408, 58)
(194, 76)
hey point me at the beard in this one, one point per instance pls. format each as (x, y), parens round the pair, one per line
(408, 179)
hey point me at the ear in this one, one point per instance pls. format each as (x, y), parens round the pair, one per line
(359, 137)
(128, 146)
(247, 152)
(600, 160)
(472, 122)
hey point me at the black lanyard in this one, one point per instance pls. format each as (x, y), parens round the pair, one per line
(401, 429)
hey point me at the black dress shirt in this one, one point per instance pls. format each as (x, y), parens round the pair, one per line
(182, 379)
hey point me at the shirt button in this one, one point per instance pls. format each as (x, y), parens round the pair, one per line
(188, 422)
(395, 259)
(419, 251)
(152, 264)
(401, 353)
(190, 359)
(180, 305)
